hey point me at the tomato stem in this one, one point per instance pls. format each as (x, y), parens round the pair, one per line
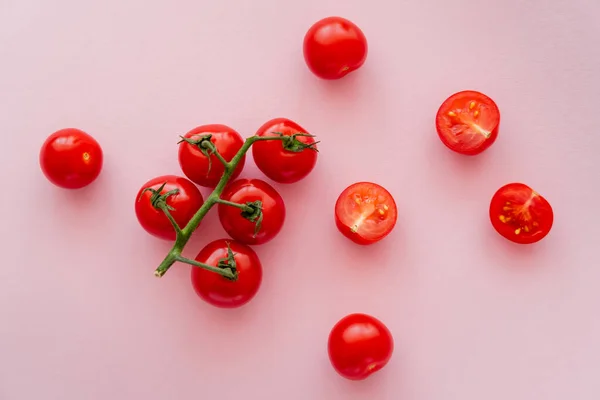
(184, 234)
(223, 271)
(243, 207)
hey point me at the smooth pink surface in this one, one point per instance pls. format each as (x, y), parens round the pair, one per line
(473, 316)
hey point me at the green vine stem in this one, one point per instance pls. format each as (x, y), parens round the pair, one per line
(184, 234)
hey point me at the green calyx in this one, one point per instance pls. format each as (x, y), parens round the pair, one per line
(291, 143)
(205, 145)
(254, 214)
(228, 263)
(158, 200)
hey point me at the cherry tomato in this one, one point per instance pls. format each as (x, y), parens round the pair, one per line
(199, 164)
(359, 345)
(220, 291)
(184, 205)
(365, 212)
(520, 214)
(334, 47)
(285, 161)
(244, 191)
(71, 158)
(467, 122)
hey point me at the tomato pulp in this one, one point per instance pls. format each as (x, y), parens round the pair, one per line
(220, 291)
(71, 159)
(244, 191)
(468, 122)
(183, 204)
(359, 345)
(334, 47)
(199, 164)
(281, 160)
(520, 214)
(365, 212)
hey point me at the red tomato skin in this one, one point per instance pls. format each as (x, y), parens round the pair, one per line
(185, 204)
(71, 158)
(466, 149)
(334, 47)
(531, 210)
(277, 163)
(194, 163)
(359, 345)
(222, 292)
(346, 229)
(241, 229)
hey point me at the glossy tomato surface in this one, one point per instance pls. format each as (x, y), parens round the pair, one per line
(334, 47)
(359, 345)
(184, 205)
(241, 229)
(281, 164)
(195, 163)
(365, 212)
(220, 291)
(468, 122)
(71, 158)
(520, 214)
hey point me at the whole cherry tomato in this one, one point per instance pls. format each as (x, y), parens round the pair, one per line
(197, 159)
(71, 159)
(288, 160)
(218, 290)
(468, 122)
(249, 226)
(365, 212)
(359, 345)
(520, 214)
(334, 47)
(183, 204)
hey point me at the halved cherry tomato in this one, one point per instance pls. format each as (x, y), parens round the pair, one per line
(467, 122)
(359, 345)
(334, 47)
(285, 161)
(184, 205)
(365, 212)
(247, 191)
(520, 214)
(71, 159)
(199, 164)
(220, 291)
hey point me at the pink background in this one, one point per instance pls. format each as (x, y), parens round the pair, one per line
(473, 316)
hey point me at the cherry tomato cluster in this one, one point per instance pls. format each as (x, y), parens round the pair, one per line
(227, 272)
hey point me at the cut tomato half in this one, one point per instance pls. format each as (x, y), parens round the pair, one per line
(467, 122)
(365, 212)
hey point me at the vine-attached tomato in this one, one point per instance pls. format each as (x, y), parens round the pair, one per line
(287, 160)
(467, 122)
(359, 345)
(520, 214)
(199, 163)
(183, 205)
(365, 212)
(251, 228)
(220, 291)
(71, 159)
(334, 47)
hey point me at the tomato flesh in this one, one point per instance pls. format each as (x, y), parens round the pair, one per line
(468, 122)
(365, 212)
(359, 345)
(520, 214)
